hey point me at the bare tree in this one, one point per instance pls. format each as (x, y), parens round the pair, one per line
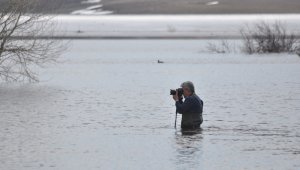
(26, 41)
(268, 38)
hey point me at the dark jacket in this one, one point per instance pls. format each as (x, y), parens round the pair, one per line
(191, 110)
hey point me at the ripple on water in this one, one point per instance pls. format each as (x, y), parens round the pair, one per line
(122, 111)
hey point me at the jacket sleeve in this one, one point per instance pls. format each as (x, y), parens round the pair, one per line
(183, 107)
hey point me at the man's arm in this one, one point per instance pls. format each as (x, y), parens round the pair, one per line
(183, 107)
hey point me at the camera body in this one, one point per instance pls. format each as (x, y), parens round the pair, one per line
(180, 92)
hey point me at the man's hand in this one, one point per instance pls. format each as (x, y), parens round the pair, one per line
(175, 97)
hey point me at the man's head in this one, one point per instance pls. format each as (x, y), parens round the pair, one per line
(188, 88)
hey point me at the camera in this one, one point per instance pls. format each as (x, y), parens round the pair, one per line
(180, 92)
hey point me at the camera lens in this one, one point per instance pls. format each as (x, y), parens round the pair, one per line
(172, 92)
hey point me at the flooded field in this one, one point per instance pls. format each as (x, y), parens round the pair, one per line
(166, 26)
(106, 105)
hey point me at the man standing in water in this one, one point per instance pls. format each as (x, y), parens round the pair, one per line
(192, 107)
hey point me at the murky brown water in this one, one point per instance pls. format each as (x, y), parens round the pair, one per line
(107, 106)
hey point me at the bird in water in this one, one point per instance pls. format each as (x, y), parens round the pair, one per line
(159, 62)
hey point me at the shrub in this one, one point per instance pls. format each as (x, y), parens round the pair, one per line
(269, 38)
(222, 47)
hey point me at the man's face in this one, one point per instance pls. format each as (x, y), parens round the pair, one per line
(186, 92)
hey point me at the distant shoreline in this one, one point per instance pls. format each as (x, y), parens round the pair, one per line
(162, 7)
(142, 7)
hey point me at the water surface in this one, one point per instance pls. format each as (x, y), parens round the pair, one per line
(107, 106)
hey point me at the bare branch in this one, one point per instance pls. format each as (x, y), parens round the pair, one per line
(18, 56)
(268, 38)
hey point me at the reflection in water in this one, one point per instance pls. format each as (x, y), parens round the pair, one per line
(188, 149)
